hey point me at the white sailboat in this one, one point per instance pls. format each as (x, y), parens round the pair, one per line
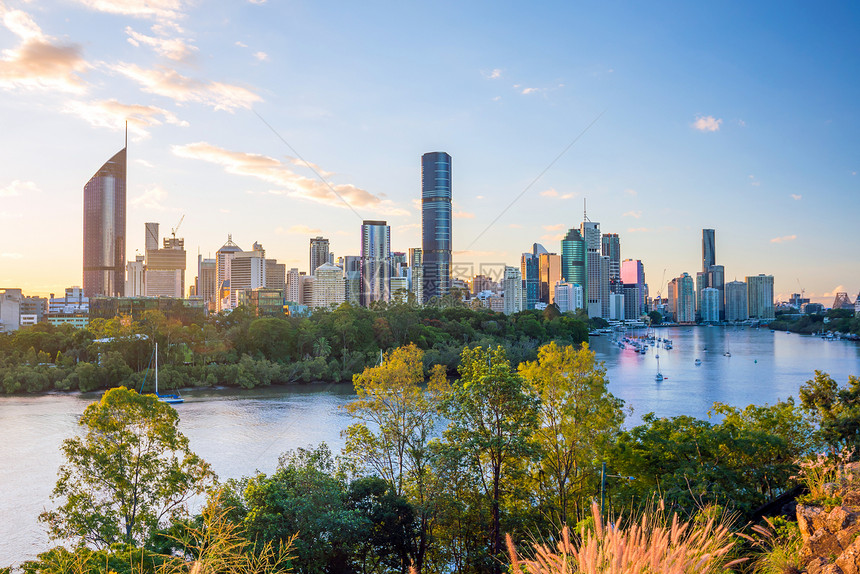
(169, 399)
(659, 376)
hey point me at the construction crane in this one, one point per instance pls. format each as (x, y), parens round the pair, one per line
(175, 229)
(662, 284)
(802, 290)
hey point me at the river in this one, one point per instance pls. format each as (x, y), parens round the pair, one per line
(239, 432)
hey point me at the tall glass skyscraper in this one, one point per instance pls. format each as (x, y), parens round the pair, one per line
(436, 226)
(104, 229)
(574, 260)
(709, 250)
(375, 262)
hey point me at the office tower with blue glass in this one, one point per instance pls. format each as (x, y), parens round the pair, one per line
(436, 222)
(104, 229)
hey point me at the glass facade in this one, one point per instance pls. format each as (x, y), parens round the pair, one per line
(436, 223)
(104, 229)
(573, 260)
(375, 262)
(709, 256)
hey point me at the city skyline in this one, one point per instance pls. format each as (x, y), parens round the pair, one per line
(683, 130)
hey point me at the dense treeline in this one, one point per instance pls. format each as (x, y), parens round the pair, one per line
(837, 320)
(238, 349)
(436, 471)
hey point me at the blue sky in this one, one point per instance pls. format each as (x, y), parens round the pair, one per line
(737, 116)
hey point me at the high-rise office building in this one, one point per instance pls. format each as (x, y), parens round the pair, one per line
(376, 262)
(512, 287)
(760, 296)
(595, 305)
(574, 259)
(319, 253)
(247, 272)
(104, 229)
(710, 305)
(633, 273)
(709, 250)
(590, 231)
(436, 223)
(736, 301)
(276, 275)
(352, 276)
(134, 276)
(294, 286)
(717, 280)
(610, 246)
(164, 269)
(685, 299)
(701, 283)
(205, 286)
(151, 235)
(223, 258)
(549, 268)
(329, 287)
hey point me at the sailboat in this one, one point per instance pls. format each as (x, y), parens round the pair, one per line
(659, 376)
(169, 399)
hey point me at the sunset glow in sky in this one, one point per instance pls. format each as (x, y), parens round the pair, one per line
(737, 116)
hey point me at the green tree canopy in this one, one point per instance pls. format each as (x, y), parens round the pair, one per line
(130, 472)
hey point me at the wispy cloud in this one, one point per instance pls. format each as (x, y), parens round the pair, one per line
(549, 193)
(176, 49)
(796, 196)
(11, 255)
(112, 114)
(631, 192)
(493, 74)
(783, 239)
(18, 187)
(707, 124)
(241, 44)
(169, 83)
(552, 237)
(527, 91)
(39, 62)
(639, 230)
(271, 170)
(515, 226)
(556, 227)
(634, 214)
(753, 181)
(152, 198)
(11, 215)
(261, 56)
(160, 9)
(463, 215)
(144, 163)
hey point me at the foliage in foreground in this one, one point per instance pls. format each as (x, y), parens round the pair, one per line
(654, 543)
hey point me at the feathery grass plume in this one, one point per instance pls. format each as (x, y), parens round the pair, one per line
(219, 545)
(647, 545)
(777, 547)
(821, 469)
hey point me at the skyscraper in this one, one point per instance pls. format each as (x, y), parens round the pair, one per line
(610, 246)
(223, 258)
(685, 299)
(318, 253)
(104, 229)
(633, 273)
(709, 250)
(512, 285)
(436, 223)
(550, 273)
(573, 260)
(376, 262)
(760, 296)
(530, 273)
(736, 301)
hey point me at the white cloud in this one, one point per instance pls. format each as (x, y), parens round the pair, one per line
(742, 123)
(152, 198)
(634, 214)
(552, 237)
(18, 187)
(463, 215)
(556, 227)
(271, 170)
(177, 49)
(11, 255)
(753, 181)
(258, 2)
(261, 56)
(549, 193)
(169, 83)
(631, 192)
(638, 230)
(112, 114)
(493, 74)
(783, 239)
(515, 226)
(144, 163)
(479, 197)
(530, 90)
(160, 9)
(241, 44)
(707, 124)
(796, 196)
(837, 289)
(569, 195)
(39, 62)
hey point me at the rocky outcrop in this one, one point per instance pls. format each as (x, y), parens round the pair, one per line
(831, 539)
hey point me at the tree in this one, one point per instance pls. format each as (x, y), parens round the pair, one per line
(493, 416)
(130, 472)
(402, 414)
(835, 409)
(656, 317)
(579, 417)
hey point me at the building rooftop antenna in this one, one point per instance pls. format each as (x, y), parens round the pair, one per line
(126, 134)
(584, 213)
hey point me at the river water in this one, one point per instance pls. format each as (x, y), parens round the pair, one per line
(239, 432)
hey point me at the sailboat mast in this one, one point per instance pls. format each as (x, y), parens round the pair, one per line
(156, 369)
